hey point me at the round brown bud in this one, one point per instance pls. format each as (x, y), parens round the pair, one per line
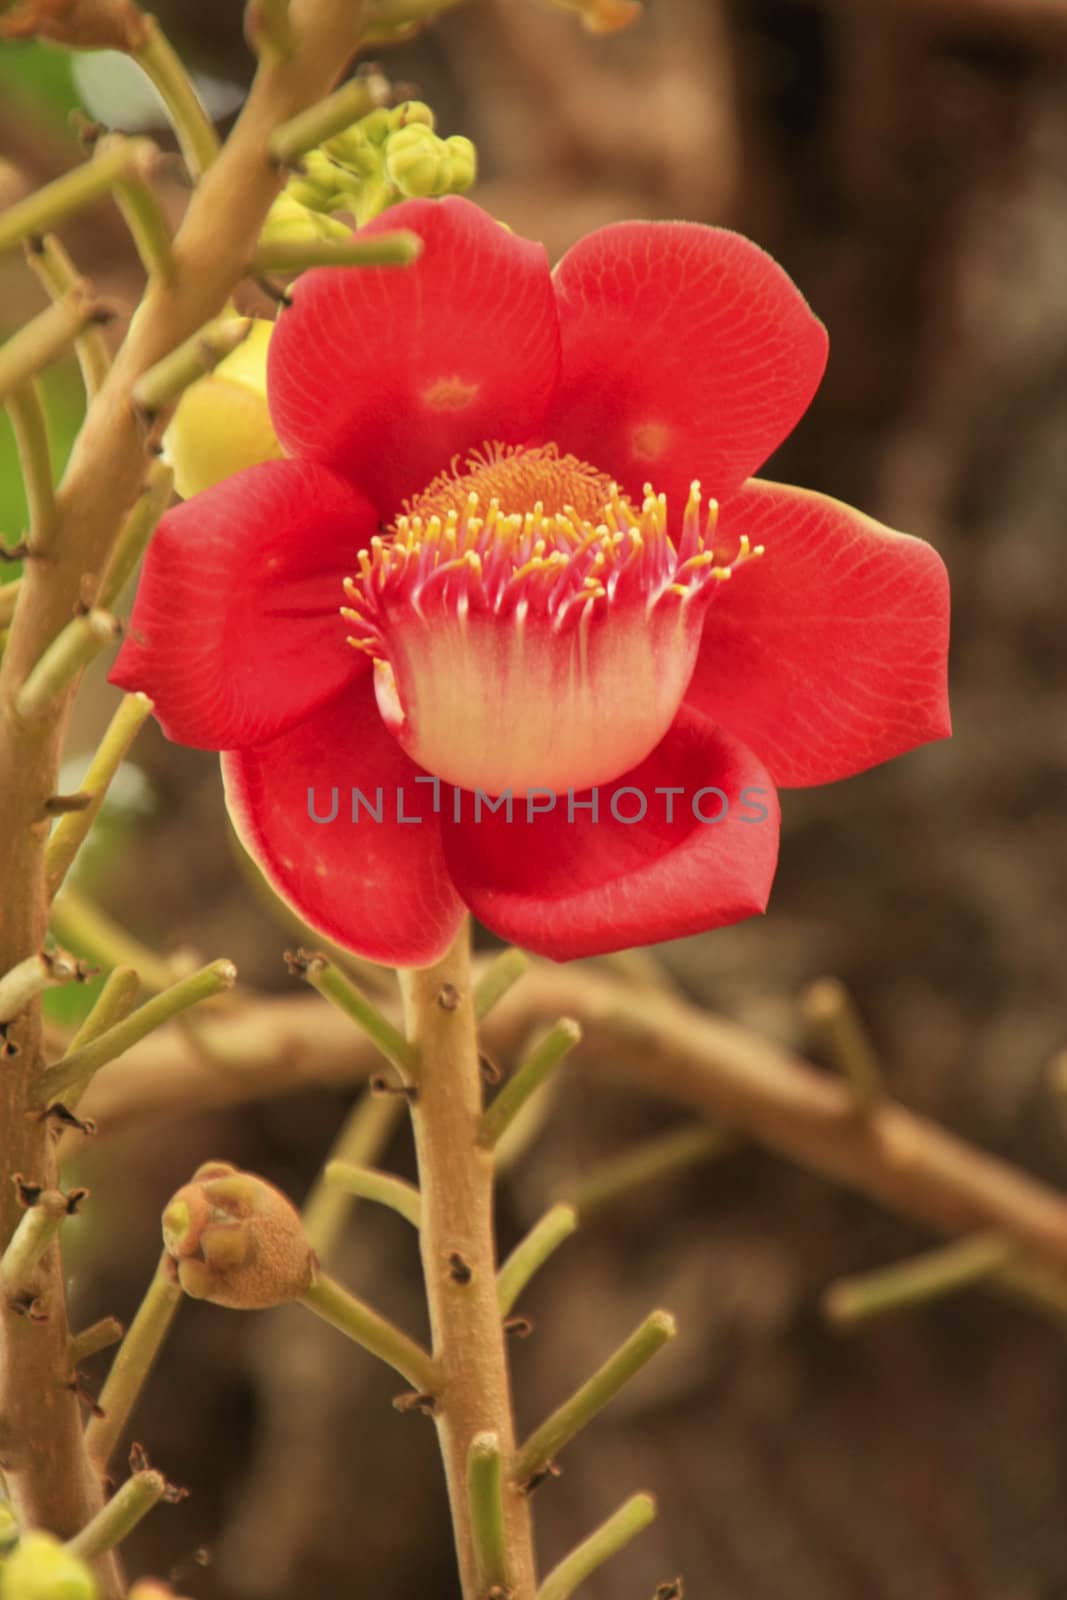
(237, 1240)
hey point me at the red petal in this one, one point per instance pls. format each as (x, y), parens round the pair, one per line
(687, 353)
(235, 632)
(569, 888)
(378, 887)
(828, 655)
(385, 373)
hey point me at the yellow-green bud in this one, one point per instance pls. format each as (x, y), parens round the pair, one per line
(355, 151)
(464, 160)
(289, 220)
(413, 112)
(222, 423)
(237, 1240)
(41, 1568)
(319, 184)
(377, 125)
(416, 161)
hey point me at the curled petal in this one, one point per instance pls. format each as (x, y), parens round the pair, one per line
(829, 654)
(385, 373)
(698, 851)
(687, 353)
(235, 633)
(377, 884)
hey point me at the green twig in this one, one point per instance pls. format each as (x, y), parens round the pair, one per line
(164, 383)
(335, 1305)
(587, 1402)
(488, 1527)
(69, 832)
(136, 530)
(90, 1341)
(503, 971)
(531, 1253)
(117, 1519)
(57, 202)
(331, 982)
(30, 426)
(92, 933)
(362, 1139)
(72, 1073)
(133, 1362)
(140, 206)
(650, 1162)
(289, 257)
(331, 116)
(53, 266)
(612, 1536)
(367, 1183)
(70, 651)
(196, 136)
(534, 1071)
(927, 1277)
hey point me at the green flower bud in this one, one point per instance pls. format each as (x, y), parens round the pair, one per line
(352, 149)
(222, 423)
(289, 220)
(415, 160)
(318, 185)
(237, 1240)
(464, 160)
(413, 112)
(41, 1568)
(377, 125)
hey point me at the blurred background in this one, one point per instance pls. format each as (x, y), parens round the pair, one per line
(906, 161)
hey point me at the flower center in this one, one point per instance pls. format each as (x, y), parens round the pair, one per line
(530, 627)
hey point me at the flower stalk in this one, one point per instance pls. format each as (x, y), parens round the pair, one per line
(70, 651)
(458, 1255)
(340, 990)
(30, 427)
(71, 830)
(331, 116)
(133, 1362)
(500, 975)
(537, 1068)
(162, 384)
(54, 204)
(364, 1326)
(665, 1156)
(930, 1276)
(70, 1075)
(831, 1013)
(100, 1335)
(57, 272)
(531, 1253)
(196, 136)
(93, 934)
(485, 1485)
(612, 1536)
(117, 1519)
(137, 528)
(362, 1139)
(574, 1414)
(290, 256)
(366, 1183)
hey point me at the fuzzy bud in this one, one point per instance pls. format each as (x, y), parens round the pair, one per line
(237, 1240)
(222, 423)
(41, 1568)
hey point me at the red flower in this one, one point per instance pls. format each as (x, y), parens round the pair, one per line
(496, 463)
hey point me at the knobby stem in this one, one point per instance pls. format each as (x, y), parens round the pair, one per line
(459, 1259)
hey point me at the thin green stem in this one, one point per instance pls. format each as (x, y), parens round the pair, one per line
(291, 256)
(338, 988)
(69, 832)
(612, 1536)
(133, 1362)
(137, 528)
(140, 206)
(531, 1253)
(664, 1156)
(114, 1002)
(363, 1137)
(534, 1071)
(164, 383)
(54, 204)
(366, 1327)
(587, 1402)
(831, 1013)
(485, 1489)
(331, 116)
(367, 1183)
(931, 1276)
(502, 972)
(57, 272)
(30, 426)
(93, 934)
(46, 970)
(90, 1341)
(117, 1519)
(71, 1074)
(37, 1230)
(69, 653)
(197, 139)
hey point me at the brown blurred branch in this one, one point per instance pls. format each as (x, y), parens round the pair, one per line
(719, 1069)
